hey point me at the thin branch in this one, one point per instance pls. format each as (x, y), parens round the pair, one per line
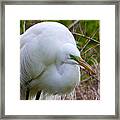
(73, 24)
(94, 33)
(86, 80)
(89, 40)
(85, 45)
(84, 36)
(91, 48)
(93, 76)
(85, 28)
(81, 30)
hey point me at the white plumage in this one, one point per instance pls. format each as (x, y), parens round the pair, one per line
(45, 50)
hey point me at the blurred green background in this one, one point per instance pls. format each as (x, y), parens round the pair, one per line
(87, 36)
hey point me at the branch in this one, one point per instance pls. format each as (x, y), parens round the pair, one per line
(86, 80)
(91, 48)
(73, 24)
(93, 76)
(86, 37)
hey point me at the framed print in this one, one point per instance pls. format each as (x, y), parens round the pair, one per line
(60, 60)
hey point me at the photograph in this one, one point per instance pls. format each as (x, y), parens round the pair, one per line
(59, 59)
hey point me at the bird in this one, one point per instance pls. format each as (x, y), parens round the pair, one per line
(49, 60)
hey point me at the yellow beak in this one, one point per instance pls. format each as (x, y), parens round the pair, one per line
(86, 65)
(81, 62)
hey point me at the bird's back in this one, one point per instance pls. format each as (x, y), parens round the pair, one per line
(54, 29)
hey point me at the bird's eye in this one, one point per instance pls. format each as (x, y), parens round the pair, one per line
(73, 57)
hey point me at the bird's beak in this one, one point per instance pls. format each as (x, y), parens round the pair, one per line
(84, 64)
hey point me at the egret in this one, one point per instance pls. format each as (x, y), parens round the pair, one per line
(49, 60)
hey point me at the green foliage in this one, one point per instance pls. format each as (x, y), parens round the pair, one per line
(22, 26)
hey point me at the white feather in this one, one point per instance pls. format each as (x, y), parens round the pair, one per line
(44, 49)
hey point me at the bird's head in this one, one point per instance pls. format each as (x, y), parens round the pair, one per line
(70, 54)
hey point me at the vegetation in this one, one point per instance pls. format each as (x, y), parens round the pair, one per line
(86, 33)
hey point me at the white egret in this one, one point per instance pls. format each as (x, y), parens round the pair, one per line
(47, 50)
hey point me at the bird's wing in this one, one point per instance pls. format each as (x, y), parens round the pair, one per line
(29, 70)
